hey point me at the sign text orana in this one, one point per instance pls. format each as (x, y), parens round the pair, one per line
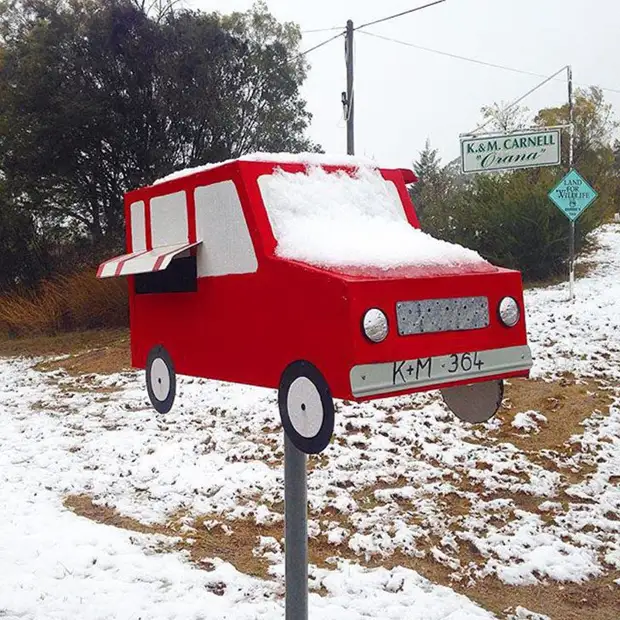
(526, 149)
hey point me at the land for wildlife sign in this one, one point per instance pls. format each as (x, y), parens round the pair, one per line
(573, 195)
(509, 151)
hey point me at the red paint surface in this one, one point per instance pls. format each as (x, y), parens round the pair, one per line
(248, 328)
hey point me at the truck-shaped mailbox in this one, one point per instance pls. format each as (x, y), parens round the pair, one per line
(312, 276)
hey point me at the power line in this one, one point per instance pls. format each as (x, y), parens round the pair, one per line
(377, 21)
(372, 23)
(385, 19)
(467, 59)
(434, 51)
(316, 47)
(322, 29)
(521, 98)
(510, 106)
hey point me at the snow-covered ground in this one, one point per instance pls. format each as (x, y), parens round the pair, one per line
(582, 337)
(402, 479)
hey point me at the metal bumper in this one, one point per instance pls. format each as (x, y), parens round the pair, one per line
(392, 377)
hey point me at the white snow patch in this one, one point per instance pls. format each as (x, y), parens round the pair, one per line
(613, 558)
(521, 613)
(529, 420)
(549, 506)
(306, 159)
(421, 600)
(335, 219)
(530, 550)
(336, 536)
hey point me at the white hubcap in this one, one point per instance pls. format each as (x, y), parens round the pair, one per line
(160, 379)
(305, 409)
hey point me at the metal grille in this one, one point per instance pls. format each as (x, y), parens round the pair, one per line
(442, 315)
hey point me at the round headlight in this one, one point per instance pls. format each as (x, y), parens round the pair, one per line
(509, 312)
(375, 325)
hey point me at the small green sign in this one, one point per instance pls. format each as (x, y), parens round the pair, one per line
(573, 195)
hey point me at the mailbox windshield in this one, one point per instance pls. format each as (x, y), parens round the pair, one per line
(335, 219)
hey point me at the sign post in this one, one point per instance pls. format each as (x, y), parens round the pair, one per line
(295, 532)
(571, 149)
(572, 195)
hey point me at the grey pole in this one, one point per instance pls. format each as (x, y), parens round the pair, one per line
(571, 250)
(350, 100)
(571, 133)
(295, 532)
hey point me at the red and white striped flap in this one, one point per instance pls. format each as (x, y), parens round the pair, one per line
(144, 261)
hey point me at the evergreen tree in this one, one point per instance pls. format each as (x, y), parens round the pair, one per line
(434, 184)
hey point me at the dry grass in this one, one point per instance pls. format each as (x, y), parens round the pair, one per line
(106, 359)
(84, 506)
(79, 301)
(96, 351)
(565, 403)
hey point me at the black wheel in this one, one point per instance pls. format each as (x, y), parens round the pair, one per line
(161, 380)
(306, 407)
(474, 403)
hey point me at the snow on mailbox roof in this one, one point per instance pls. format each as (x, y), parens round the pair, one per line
(338, 220)
(309, 159)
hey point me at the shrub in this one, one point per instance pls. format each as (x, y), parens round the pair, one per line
(510, 220)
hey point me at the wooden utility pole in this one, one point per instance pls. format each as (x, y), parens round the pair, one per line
(349, 98)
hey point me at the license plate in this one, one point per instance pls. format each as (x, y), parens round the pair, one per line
(428, 368)
(392, 377)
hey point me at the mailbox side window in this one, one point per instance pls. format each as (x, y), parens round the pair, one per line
(169, 225)
(169, 219)
(226, 246)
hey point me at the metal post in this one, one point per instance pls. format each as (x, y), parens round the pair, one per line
(295, 532)
(572, 261)
(571, 134)
(350, 100)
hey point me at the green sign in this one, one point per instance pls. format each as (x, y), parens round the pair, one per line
(572, 195)
(523, 149)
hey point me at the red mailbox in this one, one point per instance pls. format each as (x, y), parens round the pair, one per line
(312, 277)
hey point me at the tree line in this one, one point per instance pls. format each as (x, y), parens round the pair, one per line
(101, 96)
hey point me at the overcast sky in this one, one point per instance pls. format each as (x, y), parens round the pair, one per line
(404, 96)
